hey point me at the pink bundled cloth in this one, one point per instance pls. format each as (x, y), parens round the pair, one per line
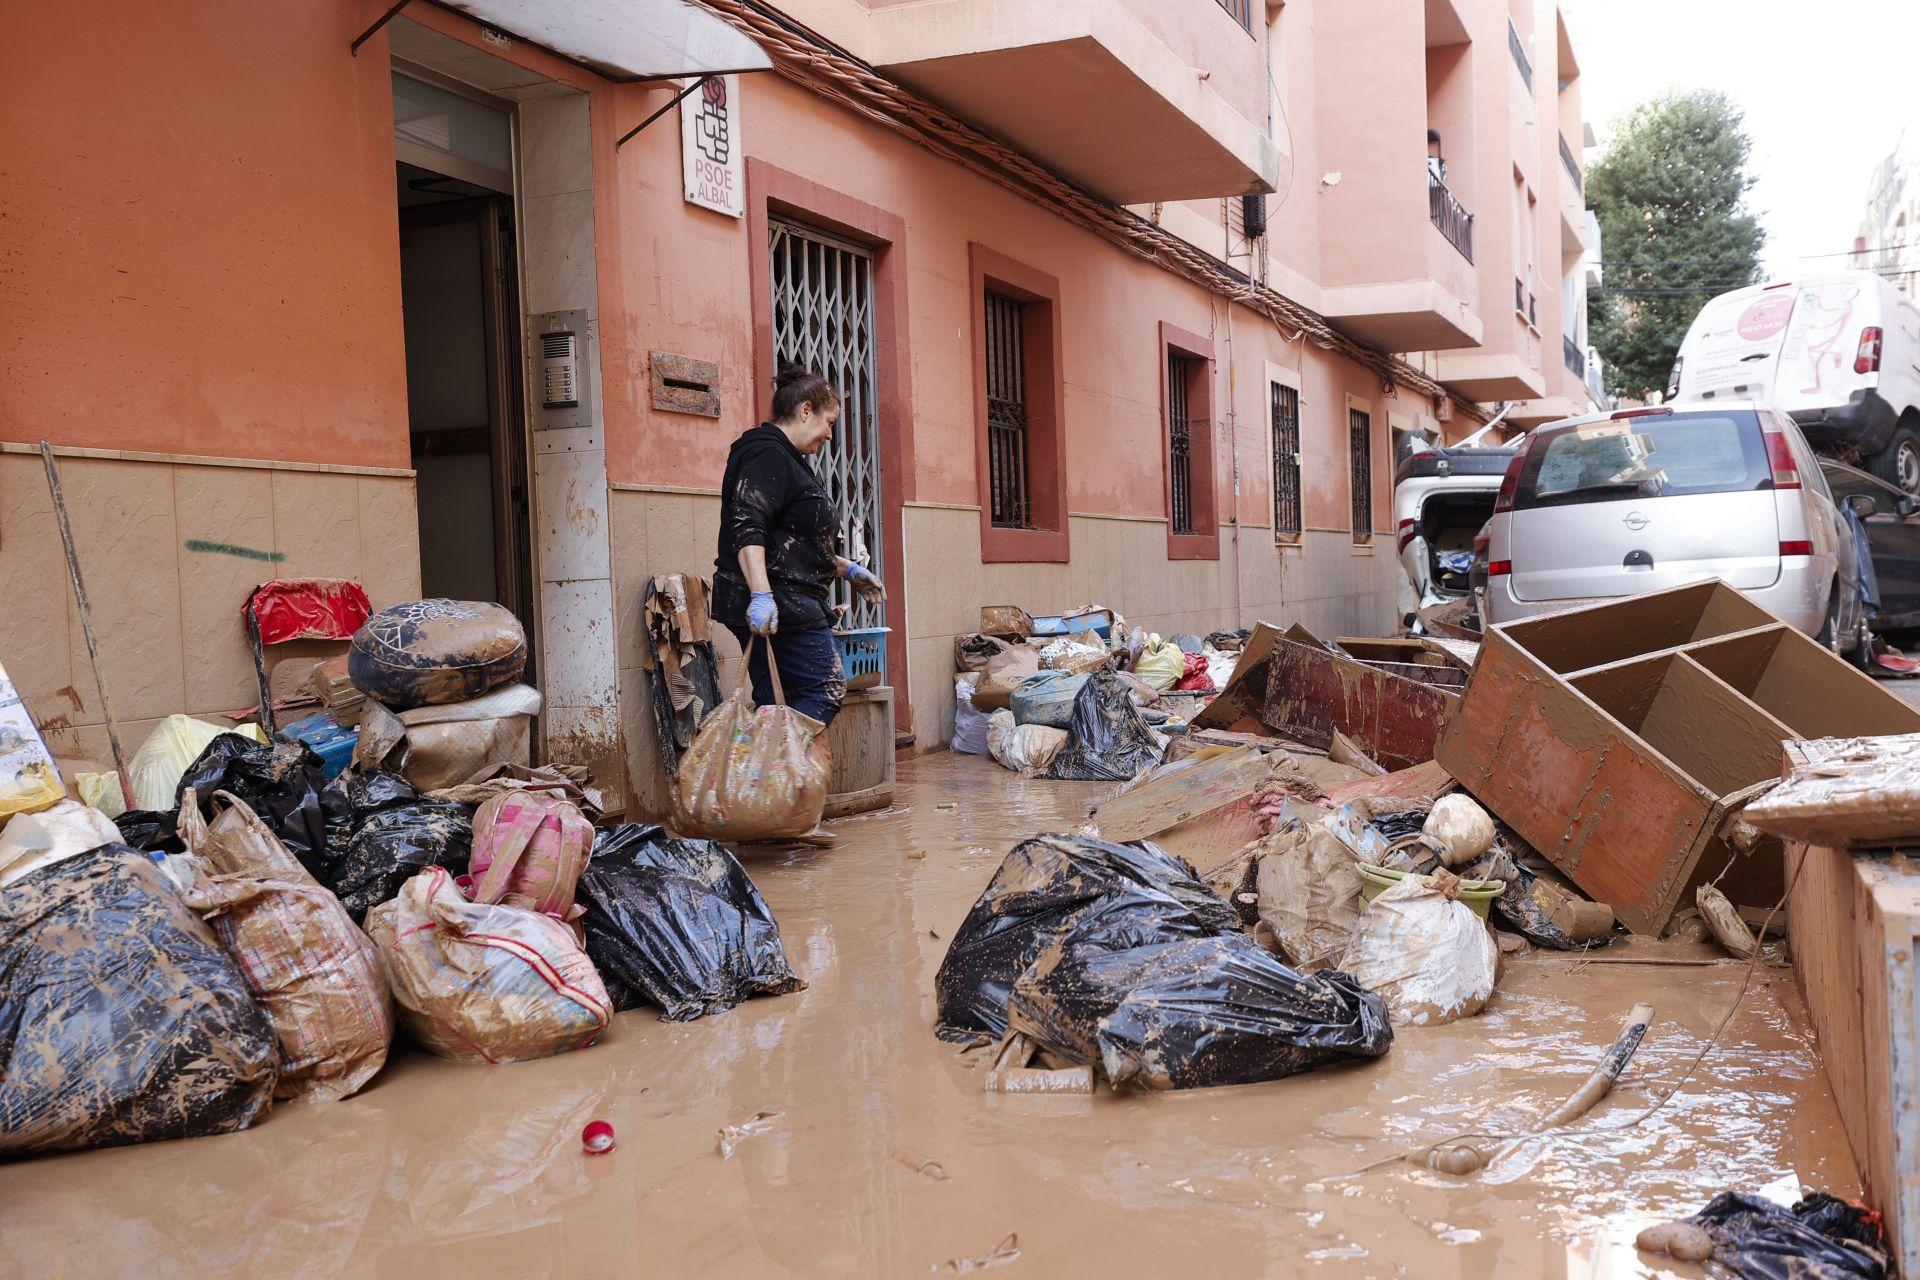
(529, 850)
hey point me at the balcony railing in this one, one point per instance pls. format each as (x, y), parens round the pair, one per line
(1573, 169)
(1241, 10)
(1576, 358)
(1519, 52)
(1448, 214)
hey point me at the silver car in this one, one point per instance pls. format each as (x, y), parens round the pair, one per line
(1645, 499)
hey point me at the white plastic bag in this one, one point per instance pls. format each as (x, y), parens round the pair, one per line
(31, 841)
(1025, 748)
(969, 722)
(1308, 891)
(1424, 951)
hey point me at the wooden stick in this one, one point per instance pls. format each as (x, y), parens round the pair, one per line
(86, 622)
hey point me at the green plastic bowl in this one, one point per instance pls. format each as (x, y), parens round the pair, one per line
(1475, 893)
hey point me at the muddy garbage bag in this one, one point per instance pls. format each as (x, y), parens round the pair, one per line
(309, 968)
(394, 845)
(1107, 741)
(1308, 885)
(282, 783)
(1194, 1012)
(350, 799)
(1043, 889)
(121, 1018)
(1424, 951)
(1820, 1238)
(678, 924)
(969, 722)
(1540, 910)
(1027, 749)
(1046, 699)
(481, 982)
(752, 773)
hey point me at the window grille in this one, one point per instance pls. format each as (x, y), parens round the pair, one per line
(1007, 458)
(1360, 451)
(1180, 439)
(1286, 462)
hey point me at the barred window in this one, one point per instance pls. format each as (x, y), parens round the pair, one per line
(1286, 462)
(1180, 439)
(1360, 450)
(1007, 418)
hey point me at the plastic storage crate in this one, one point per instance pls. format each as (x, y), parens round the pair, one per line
(863, 656)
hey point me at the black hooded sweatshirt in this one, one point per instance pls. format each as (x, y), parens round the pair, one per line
(770, 498)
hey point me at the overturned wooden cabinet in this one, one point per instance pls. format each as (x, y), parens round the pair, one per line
(1620, 739)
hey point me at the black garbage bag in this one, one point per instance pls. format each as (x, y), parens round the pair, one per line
(150, 831)
(1107, 741)
(1520, 906)
(1820, 1238)
(678, 924)
(1043, 889)
(1194, 1012)
(346, 802)
(281, 782)
(394, 845)
(121, 1018)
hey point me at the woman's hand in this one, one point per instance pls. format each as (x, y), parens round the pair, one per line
(762, 615)
(862, 580)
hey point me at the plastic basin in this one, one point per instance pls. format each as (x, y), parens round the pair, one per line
(1475, 893)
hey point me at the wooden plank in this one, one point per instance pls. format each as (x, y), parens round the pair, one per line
(1312, 692)
(1853, 922)
(1846, 792)
(1425, 782)
(1178, 793)
(1237, 708)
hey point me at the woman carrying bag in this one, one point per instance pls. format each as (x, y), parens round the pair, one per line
(779, 550)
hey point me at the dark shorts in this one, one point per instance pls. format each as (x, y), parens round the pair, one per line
(810, 672)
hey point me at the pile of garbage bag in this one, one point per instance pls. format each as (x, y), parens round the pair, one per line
(1119, 956)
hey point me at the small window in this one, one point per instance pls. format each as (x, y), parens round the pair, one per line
(1007, 421)
(1286, 462)
(1360, 450)
(1180, 439)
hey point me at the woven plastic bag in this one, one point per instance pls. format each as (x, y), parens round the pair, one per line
(752, 773)
(529, 849)
(306, 964)
(1309, 893)
(1424, 951)
(481, 982)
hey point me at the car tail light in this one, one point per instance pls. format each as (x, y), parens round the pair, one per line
(1500, 569)
(1796, 548)
(1786, 472)
(1510, 483)
(1867, 358)
(1406, 534)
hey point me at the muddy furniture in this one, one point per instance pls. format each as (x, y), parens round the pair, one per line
(1312, 691)
(1854, 923)
(1618, 739)
(861, 739)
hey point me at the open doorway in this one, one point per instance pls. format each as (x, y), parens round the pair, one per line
(454, 184)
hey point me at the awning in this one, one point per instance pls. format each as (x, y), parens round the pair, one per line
(623, 40)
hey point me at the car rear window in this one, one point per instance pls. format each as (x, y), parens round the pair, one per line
(1668, 456)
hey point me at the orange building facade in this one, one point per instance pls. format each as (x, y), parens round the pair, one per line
(286, 307)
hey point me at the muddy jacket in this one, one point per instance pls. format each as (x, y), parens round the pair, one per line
(770, 498)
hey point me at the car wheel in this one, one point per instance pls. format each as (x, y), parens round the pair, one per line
(1899, 463)
(1862, 654)
(1830, 626)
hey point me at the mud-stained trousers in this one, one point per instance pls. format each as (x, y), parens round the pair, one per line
(810, 672)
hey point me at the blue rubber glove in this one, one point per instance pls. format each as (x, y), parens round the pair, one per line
(762, 616)
(863, 581)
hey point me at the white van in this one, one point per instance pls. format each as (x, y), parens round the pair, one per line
(1839, 352)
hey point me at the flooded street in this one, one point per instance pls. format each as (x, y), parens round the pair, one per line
(887, 1159)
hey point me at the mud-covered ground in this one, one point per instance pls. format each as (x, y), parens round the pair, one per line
(887, 1159)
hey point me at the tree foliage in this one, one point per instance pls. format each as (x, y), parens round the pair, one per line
(1670, 196)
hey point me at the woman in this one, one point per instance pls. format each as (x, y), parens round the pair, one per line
(779, 557)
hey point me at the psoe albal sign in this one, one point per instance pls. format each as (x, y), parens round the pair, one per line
(711, 148)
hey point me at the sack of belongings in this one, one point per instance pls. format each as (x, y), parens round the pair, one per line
(1046, 699)
(396, 843)
(678, 924)
(31, 841)
(436, 651)
(121, 1018)
(969, 721)
(480, 982)
(280, 782)
(1107, 741)
(1027, 749)
(1004, 673)
(752, 773)
(529, 849)
(1160, 664)
(1308, 885)
(1193, 1012)
(1118, 955)
(1424, 951)
(309, 968)
(972, 653)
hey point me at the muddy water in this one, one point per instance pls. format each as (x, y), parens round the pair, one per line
(887, 1159)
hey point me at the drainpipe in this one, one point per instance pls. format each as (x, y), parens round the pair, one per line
(1233, 438)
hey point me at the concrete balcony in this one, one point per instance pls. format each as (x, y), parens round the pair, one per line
(1136, 100)
(1492, 375)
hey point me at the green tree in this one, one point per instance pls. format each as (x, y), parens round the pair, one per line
(1669, 193)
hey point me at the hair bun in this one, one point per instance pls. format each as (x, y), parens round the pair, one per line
(789, 372)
